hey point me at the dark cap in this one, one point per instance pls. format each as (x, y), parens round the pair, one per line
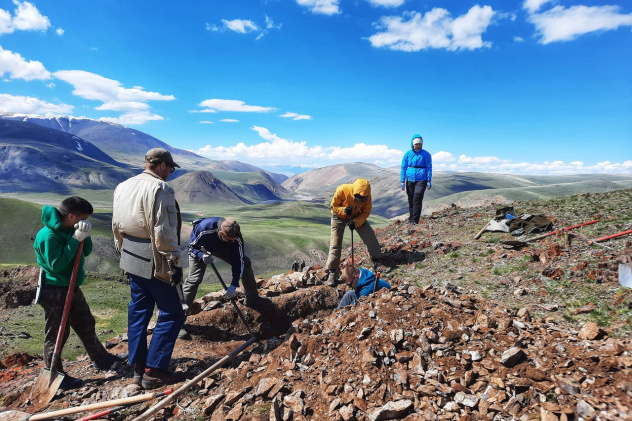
(159, 155)
(230, 228)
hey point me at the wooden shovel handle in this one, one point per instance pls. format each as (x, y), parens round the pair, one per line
(97, 405)
(64, 316)
(477, 236)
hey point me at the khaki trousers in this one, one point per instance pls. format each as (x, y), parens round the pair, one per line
(366, 233)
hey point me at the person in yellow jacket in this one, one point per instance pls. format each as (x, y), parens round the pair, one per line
(350, 207)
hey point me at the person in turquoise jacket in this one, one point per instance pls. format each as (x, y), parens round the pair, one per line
(416, 176)
(362, 282)
(55, 248)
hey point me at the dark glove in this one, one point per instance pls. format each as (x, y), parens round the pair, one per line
(429, 185)
(176, 275)
(351, 225)
(348, 210)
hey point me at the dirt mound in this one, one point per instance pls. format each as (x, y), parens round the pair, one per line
(20, 288)
(470, 330)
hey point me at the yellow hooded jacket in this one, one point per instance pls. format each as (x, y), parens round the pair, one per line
(344, 196)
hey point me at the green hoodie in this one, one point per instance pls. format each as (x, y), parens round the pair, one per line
(55, 249)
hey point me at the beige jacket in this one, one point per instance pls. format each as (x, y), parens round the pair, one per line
(145, 207)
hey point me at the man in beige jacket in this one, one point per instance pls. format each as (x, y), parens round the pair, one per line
(146, 224)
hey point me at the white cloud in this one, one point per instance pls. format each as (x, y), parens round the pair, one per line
(131, 102)
(59, 31)
(26, 18)
(133, 118)
(565, 24)
(207, 122)
(18, 68)
(243, 26)
(436, 29)
(386, 3)
(30, 105)
(533, 6)
(295, 116)
(240, 25)
(446, 161)
(323, 7)
(229, 120)
(278, 151)
(214, 105)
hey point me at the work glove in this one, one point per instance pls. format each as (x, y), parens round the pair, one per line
(207, 258)
(82, 230)
(176, 275)
(347, 210)
(402, 186)
(429, 185)
(230, 292)
(351, 225)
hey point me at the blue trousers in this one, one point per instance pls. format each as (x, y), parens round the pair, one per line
(347, 299)
(147, 293)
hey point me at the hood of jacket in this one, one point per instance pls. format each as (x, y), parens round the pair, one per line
(51, 218)
(413, 138)
(362, 186)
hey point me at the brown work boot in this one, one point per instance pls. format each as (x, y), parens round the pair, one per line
(156, 377)
(331, 279)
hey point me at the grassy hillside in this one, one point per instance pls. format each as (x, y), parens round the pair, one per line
(19, 223)
(275, 234)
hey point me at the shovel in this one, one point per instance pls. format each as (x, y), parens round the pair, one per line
(518, 243)
(49, 380)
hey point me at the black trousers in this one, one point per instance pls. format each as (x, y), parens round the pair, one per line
(415, 191)
(80, 318)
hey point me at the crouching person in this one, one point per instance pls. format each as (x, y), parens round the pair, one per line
(362, 282)
(55, 247)
(221, 238)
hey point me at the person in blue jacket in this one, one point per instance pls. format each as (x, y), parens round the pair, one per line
(416, 176)
(362, 282)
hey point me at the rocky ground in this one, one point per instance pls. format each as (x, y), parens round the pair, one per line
(471, 329)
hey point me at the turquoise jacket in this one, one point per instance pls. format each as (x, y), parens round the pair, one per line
(416, 166)
(55, 248)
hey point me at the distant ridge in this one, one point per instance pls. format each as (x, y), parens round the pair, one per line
(203, 187)
(36, 160)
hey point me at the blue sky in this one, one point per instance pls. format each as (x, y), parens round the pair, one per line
(527, 87)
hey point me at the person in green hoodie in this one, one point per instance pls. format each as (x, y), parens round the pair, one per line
(55, 248)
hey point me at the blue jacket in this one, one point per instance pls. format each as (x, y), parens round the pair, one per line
(205, 234)
(416, 166)
(366, 283)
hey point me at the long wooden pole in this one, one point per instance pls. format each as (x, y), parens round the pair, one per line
(157, 407)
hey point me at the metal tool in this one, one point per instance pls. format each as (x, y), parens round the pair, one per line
(232, 300)
(608, 237)
(49, 379)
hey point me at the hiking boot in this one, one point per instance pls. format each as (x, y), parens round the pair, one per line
(155, 377)
(70, 383)
(255, 301)
(184, 334)
(110, 362)
(331, 279)
(139, 371)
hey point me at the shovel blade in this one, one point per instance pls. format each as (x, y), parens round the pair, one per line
(45, 388)
(625, 274)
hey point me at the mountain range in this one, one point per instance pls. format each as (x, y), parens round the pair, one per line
(42, 154)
